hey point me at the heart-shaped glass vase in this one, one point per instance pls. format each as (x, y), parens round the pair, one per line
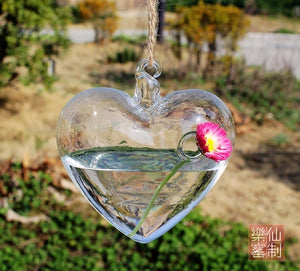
(118, 149)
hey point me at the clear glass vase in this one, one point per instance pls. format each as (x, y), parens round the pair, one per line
(118, 149)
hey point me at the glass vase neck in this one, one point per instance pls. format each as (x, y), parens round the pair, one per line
(147, 89)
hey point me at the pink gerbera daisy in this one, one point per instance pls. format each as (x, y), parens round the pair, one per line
(213, 141)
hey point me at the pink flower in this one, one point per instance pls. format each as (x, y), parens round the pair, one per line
(213, 141)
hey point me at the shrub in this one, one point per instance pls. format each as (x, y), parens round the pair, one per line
(72, 241)
(102, 15)
(271, 7)
(134, 40)
(277, 6)
(171, 5)
(285, 31)
(205, 24)
(124, 56)
(22, 41)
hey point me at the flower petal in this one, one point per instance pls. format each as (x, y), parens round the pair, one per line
(213, 141)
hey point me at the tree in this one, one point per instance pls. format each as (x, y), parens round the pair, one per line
(285, 7)
(31, 33)
(205, 24)
(161, 18)
(102, 15)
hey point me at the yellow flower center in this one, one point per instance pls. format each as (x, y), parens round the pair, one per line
(210, 144)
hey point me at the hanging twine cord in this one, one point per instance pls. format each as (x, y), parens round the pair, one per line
(152, 28)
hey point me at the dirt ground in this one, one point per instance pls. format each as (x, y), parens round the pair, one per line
(260, 185)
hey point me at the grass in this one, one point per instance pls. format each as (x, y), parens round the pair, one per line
(285, 31)
(134, 40)
(261, 94)
(280, 140)
(73, 241)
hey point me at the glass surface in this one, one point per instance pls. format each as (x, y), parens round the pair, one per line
(118, 149)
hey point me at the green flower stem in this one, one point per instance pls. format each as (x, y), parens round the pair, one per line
(158, 189)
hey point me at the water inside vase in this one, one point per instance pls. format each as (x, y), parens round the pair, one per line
(119, 182)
